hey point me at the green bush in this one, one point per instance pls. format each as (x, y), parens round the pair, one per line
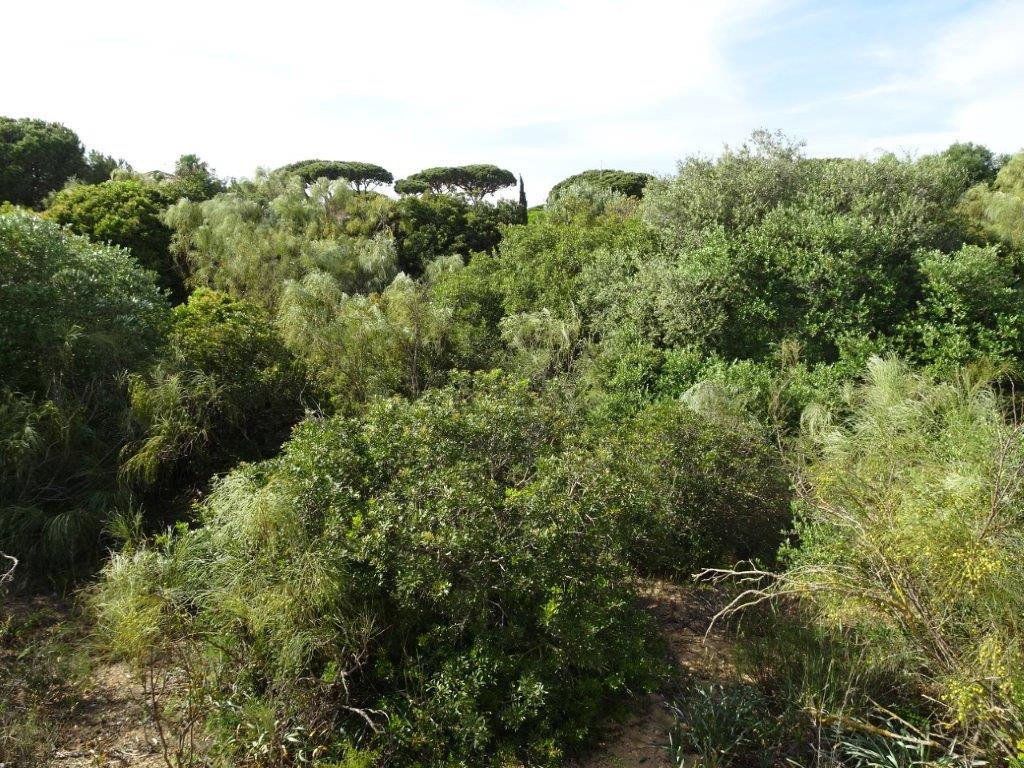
(997, 210)
(682, 490)
(361, 347)
(228, 390)
(75, 317)
(431, 226)
(396, 582)
(628, 183)
(123, 212)
(908, 538)
(585, 201)
(971, 308)
(764, 244)
(252, 240)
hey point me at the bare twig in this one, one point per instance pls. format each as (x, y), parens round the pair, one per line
(8, 575)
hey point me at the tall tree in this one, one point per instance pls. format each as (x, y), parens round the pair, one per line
(100, 167)
(193, 179)
(977, 162)
(522, 199)
(362, 176)
(36, 158)
(475, 181)
(628, 183)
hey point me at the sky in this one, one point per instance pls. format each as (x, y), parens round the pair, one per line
(544, 89)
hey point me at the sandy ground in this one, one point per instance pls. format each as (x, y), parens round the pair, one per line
(683, 616)
(108, 725)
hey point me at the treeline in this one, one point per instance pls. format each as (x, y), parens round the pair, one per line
(381, 475)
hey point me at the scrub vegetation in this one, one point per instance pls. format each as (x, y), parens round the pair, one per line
(351, 478)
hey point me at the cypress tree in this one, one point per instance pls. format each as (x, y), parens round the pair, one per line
(522, 200)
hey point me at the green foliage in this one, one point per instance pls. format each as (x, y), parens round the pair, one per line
(474, 181)
(124, 212)
(192, 179)
(627, 183)
(998, 210)
(724, 726)
(471, 295)
(971, 307)
(822, 700)
(439, 566)
(227, 390)
(764, 245)
(541, 264)
(908, 535)
(36, 158)
(362, 176)
(435, 225)
(397, 582)
(586, 202)
(739, 190)
(250, 241)
(100, 167)
(72, 313)
(683, 490)
(411, 187)
(363, 347)
(523, 205)
(978, 163)
(74, 317)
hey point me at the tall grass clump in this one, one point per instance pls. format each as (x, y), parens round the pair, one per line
(909, 544)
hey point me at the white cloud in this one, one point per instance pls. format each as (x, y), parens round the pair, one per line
(967, 83)
(406, 83)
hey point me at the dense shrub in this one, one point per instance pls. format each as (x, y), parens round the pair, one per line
(764, 245)
(540, 265)
(472, 296)
(74, 318)
(123, 212)
(584, 201)
(971, 307)
(997, 209)
(227, 390)
(628, 183)
(361, 347)
(396, 582)
(908, 543)
(250, 241)
(683, 490)
(433, 225)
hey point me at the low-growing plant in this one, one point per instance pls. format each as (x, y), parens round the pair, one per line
(43, 668)
(724, 726)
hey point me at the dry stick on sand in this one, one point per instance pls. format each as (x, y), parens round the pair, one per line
(8, 575)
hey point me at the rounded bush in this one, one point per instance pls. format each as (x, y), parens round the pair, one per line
(396, 582)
